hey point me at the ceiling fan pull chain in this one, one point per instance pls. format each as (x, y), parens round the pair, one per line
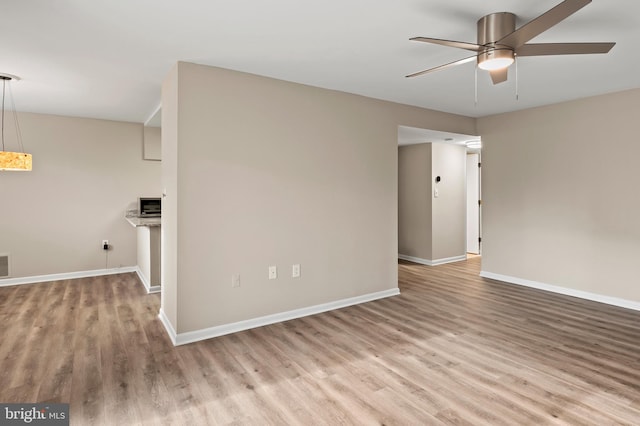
(476, 86)
(517, 94)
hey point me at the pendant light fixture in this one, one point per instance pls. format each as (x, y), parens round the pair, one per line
(14, 161)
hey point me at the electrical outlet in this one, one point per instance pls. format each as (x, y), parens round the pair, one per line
(273, 272)
(235, 280)
(295, 271)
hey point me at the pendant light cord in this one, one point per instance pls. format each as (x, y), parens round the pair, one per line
(4, 87)
(15, 114)
(12, 100)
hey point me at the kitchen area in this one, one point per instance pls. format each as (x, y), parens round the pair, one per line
(147, 216)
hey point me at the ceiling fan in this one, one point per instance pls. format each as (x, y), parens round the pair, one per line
(499, 42)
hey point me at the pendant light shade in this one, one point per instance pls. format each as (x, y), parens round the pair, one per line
(12, 161)
(15, 161)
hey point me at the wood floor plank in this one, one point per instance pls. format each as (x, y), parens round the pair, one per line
(453, 348)
(87, 386)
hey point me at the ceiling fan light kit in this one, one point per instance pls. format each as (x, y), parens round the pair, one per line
(499, 42)
(496, 59)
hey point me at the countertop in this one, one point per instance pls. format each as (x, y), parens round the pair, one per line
(136, 221)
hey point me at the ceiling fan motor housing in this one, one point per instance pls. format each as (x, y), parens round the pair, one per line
(492, 28)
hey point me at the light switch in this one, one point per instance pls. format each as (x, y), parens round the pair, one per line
(435, 193)
(295, 271)
(273, 272)
(235, 280)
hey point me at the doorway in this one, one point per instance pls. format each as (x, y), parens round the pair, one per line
(432, 188)
(474, 203)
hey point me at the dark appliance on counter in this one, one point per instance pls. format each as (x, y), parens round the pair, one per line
(149, 207)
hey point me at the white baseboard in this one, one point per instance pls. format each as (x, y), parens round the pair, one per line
(435, 262)
(623, 303)
(208, 333)
(65, 276)
(145, 282)
(167, 326)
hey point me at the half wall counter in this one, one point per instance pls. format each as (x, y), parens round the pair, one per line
(148, 251)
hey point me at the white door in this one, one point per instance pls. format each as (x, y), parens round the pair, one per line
(473, 205)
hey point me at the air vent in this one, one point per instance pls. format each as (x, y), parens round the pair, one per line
(4, 265)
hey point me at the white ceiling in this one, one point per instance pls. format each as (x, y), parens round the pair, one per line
(107, 58)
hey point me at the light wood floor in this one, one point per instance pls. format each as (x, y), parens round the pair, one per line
(452, 349)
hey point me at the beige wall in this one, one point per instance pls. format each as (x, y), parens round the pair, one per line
(560, 195)
(449, 226)
(429, 228)
(152, 148)
(276, 173)
(85, 174)
(415, 201)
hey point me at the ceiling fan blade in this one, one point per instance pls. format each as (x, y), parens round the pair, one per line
(450, 64)
(451, 43)
(544, 49)
(499, 76)
(542, 23)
